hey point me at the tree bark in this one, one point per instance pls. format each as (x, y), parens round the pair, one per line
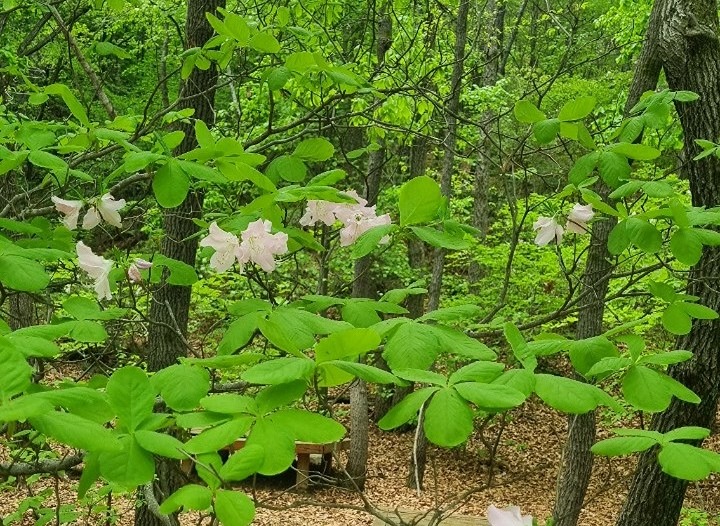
(170, 308)
(683, 33)
(450, 141)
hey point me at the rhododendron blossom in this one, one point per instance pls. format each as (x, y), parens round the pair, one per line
(97, 267)
(357, 218)
(106, 208)
(70, 209)
(578, 218)
(134, 269)
(509, 516)
(548, 230)
(226, 245)
(260, 246)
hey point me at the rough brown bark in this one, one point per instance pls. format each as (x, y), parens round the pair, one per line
(683, 33)
(170, 308)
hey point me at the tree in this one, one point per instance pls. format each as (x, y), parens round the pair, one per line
(682, 37)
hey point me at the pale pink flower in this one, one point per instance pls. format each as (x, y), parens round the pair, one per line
(352, 193)
(143, 264)
(578, 218)
(548, 230)
(260, 246)
(323, 211)
(70, 209)
(97, 267)
(106, 208)
(133, 273)
(226, 245)
(362, 220)
(509, 516)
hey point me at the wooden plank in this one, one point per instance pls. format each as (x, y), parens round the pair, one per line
(303, 471)
(424, 518)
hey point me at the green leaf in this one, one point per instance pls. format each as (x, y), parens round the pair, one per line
(583, 167)
(420, 201)
(278, 77)
(676, 320)
(687, 433)
(278, 443)
(188, 497)
(456, 313)
(643, 235)
(686, 246)
(412, 346)
(279, 371)
(306, 426)
(75, 431)
(421, 376)
(22, 274)
(687, 462)
(645, 389)
(160, 444)
(15, 372)
(365, 372)
(182, 386)
(243, 463)
(585, 353)
(287, 167)
(265, 42)
(613, 168)
(219, 436)
(406, 409)
(274, 396)
(619, 446)
(490, 397)
(546, 131)
(228, 403)
(697, 311)
(666, 358)
(441, 238)
(484, 372)
(108, 48)
(180, 273)
(570, 396)
(70, 101)
(448, 419)
(525, 111)
(88, 331)
(170, 184)
(239, 333)
(460, 344)
(346, 343)
(234, 508)
(315, 149)
(577, 109)
(128, 468)
(370, 239)
(131, 396)
(637, 151)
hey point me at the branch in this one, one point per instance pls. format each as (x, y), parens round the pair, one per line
(153, 505)
(23, 469)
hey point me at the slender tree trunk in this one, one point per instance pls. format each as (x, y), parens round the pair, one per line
(576, 467)
(170, 308)
(493, 58)
(684, 34)
(450, 141)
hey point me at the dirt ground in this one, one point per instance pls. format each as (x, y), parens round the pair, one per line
(528, 455)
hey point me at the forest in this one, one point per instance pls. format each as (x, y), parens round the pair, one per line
(393, 262)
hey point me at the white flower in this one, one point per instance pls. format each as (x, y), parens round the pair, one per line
(226, 245)
(362, 220)
(105, 208)
(548, 230)
(97, 267)
(509, 516)
(133, 273)
(70, 209)
(260, 246)
(143, 264)
(578, 218)
(323, 211)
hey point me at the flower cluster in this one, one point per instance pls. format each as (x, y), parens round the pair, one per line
(509, 516)
(256, 245)
(103, 208)
(357, 218)
(549, 229)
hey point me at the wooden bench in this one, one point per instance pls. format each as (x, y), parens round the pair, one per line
(303, 450)
(422, 518)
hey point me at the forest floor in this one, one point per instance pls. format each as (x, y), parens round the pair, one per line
(528, 455)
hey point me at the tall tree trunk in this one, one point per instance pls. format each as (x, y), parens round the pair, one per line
(684, 34)
(493, 59)
(170, 308)
(364, 287)
(576, 467)
(450, 141)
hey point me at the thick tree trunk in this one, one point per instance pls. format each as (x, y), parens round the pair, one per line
(170, 308)
(684, 34)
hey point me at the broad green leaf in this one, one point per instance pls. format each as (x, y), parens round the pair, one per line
(15, 372)
(620, 446)
(645, 389)
(287, 167)
(274, 396)
(460, 344)
(441, 238)
(420, 201)
(585, 353)
(279, 371)
(219, 436)
(160, 444)
(636, 151)
(188, 497)
(278, 444)
(687, 462)
(243, 463)
(182, 386)
(234, 508)
(697, 311)
(676, 320)
(687, 433)
(346, 344)
(406, 409)
(570, 396)
(577, 109)
(365, 372)
(643, 235)
(614, 168)
(485, 372)
(129, 467)
(525, 111)
(315, 149)
(131, 396)
(448, 419)
(88, 331)
(546, 131)
(228, 403)
(75, 431)
(170, 184)
(686, 246)
(22, 274)
(370, 239)
(239, 333)
(421, 376)
(666, 358)
(490, 397)
(413, 345)
(264, 41)
(307, 426)
(583, 167)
